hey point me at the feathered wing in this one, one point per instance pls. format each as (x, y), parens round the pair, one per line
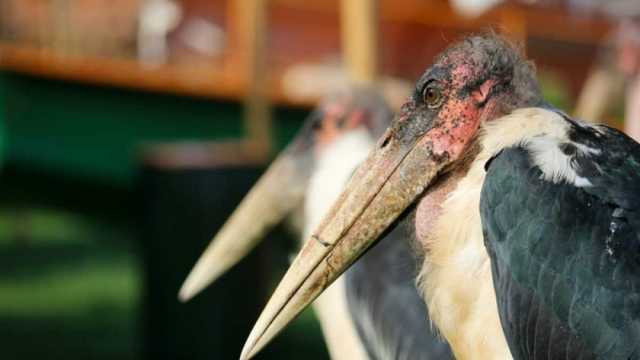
(390, 316)
(566, 258)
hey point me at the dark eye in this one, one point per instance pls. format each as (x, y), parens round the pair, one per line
(316, 124)
(432, 96)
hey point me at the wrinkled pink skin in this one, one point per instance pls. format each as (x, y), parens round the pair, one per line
(430, 206)
(459, 121)
(459, 118)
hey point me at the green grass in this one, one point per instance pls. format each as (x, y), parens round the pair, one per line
(67, 289)
(70, 288)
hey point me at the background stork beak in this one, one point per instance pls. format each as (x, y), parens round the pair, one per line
(394, 174)
(280, 190)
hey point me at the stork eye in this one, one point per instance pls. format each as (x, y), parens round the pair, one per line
(316, 124)
(432, 96)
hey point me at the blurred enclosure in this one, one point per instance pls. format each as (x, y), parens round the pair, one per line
(96, 235)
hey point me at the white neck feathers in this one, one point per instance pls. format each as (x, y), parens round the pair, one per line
(456, 275)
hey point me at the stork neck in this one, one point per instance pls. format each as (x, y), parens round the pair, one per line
(456, 276)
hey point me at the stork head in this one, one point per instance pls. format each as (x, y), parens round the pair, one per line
(282, 188)
(359, 108)
(474, 81)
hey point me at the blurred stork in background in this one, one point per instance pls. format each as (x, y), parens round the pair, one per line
(616, 73)
(370, 319)
(301, 183)
(615, 76)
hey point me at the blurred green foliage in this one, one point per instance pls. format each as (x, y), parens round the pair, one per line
(68, 289)
(71, 288)
(555, 90)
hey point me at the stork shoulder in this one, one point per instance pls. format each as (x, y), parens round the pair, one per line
(564, 257)
(600, 159)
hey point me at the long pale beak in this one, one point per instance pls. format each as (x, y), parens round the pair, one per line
(395, 173)
(276, 194)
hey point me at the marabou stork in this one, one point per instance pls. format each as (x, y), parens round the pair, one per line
(527, 218)
(312, 172)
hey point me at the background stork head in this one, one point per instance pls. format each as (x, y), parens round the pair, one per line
(473, 81)
(281, 190)
(342, 112)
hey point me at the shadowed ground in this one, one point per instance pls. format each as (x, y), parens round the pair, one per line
(65, 289)
(70, 289)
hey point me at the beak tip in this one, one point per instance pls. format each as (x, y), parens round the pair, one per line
(247, 351)
(201, 276)
(184, 295)
(188, 289)
(255, 341)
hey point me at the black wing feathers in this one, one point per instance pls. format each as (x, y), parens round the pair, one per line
(613, 167)
(565, 259)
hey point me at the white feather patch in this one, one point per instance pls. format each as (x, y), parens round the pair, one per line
(555, 165)
(542, 132)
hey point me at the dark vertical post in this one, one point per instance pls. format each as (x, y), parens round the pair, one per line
(187, 193)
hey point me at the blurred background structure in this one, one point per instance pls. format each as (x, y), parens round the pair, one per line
(129, 129)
